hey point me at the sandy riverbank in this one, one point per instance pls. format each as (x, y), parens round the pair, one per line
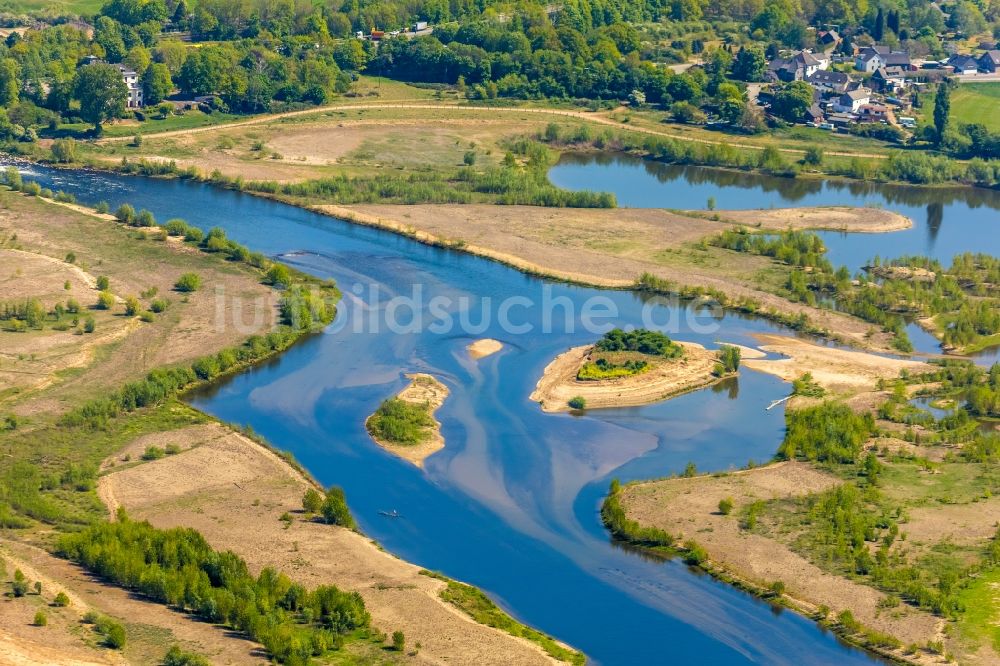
(669, 377)
(483, 348)
(834, 369)
(611, 248)
(238, 506)
(688, 509)
(423, 389)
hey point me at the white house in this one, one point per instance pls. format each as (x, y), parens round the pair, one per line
(852, 100)
(870, 58)
(134, 87)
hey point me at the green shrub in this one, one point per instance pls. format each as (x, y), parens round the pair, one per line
(103, 283)
(726, 505)
(153, 453)
(578, 402)
(312, 501)
(132, 306)
(40, 619)
(188, 282)
(125, 214)
(177, 657)
(398, 641)
(105, 300)
(61, 600)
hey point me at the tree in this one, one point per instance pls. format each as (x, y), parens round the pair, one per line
(312, 501)
(40, 619)
(62, 599)
(335, 511)
(726, 506)
(750, 64)
(103, 283)
(792, 100)
(132, 306)
(398, 641)
(9, 85)
(20, 585)
(942, 109)
(156, 83)
(101, 92)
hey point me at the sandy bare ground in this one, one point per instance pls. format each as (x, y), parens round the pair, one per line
(666, 378)
(423, 389)
(612, 248)
(688, 508)
(483, 348)
(837, 370)
(234, 491)
(831, 218)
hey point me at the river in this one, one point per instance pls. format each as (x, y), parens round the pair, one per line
(946, 220)
(511, 504)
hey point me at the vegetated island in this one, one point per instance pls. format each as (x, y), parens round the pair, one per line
(484, 347)
(631, 368)
(405, 426)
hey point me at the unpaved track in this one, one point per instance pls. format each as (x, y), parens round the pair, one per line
(579, 115)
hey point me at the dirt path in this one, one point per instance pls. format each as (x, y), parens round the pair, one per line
(558, 384)
(423, 389)
(578, 115)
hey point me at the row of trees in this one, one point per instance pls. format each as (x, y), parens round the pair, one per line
(177, 567)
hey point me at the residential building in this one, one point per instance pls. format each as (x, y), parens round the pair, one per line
(828, 38)
(131, 79)
(963, 64)
(798, 67)
(888, 79)
(852, 100)
(876, 113)
(870, 58)
(828, 81)
(134, 86)
(990, 61)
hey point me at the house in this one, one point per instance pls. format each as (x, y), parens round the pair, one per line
(963, 64)
(796, 68)
(815, 115)
(888, 79)
(134, 100)
(870, 58)
(828, 38)
(876, 113)
(828, 81)
(852, 100)
(132, 83)
(990, 61)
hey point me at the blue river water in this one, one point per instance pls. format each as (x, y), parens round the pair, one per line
(946, 221)
(511, 504)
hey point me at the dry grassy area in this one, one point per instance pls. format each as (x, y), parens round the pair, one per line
(689, 509)
(38, 237)
(247, 486)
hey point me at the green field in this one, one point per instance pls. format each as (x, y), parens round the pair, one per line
(977, 103)
(79, 7)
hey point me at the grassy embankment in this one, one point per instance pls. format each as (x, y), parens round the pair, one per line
(899, 506)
